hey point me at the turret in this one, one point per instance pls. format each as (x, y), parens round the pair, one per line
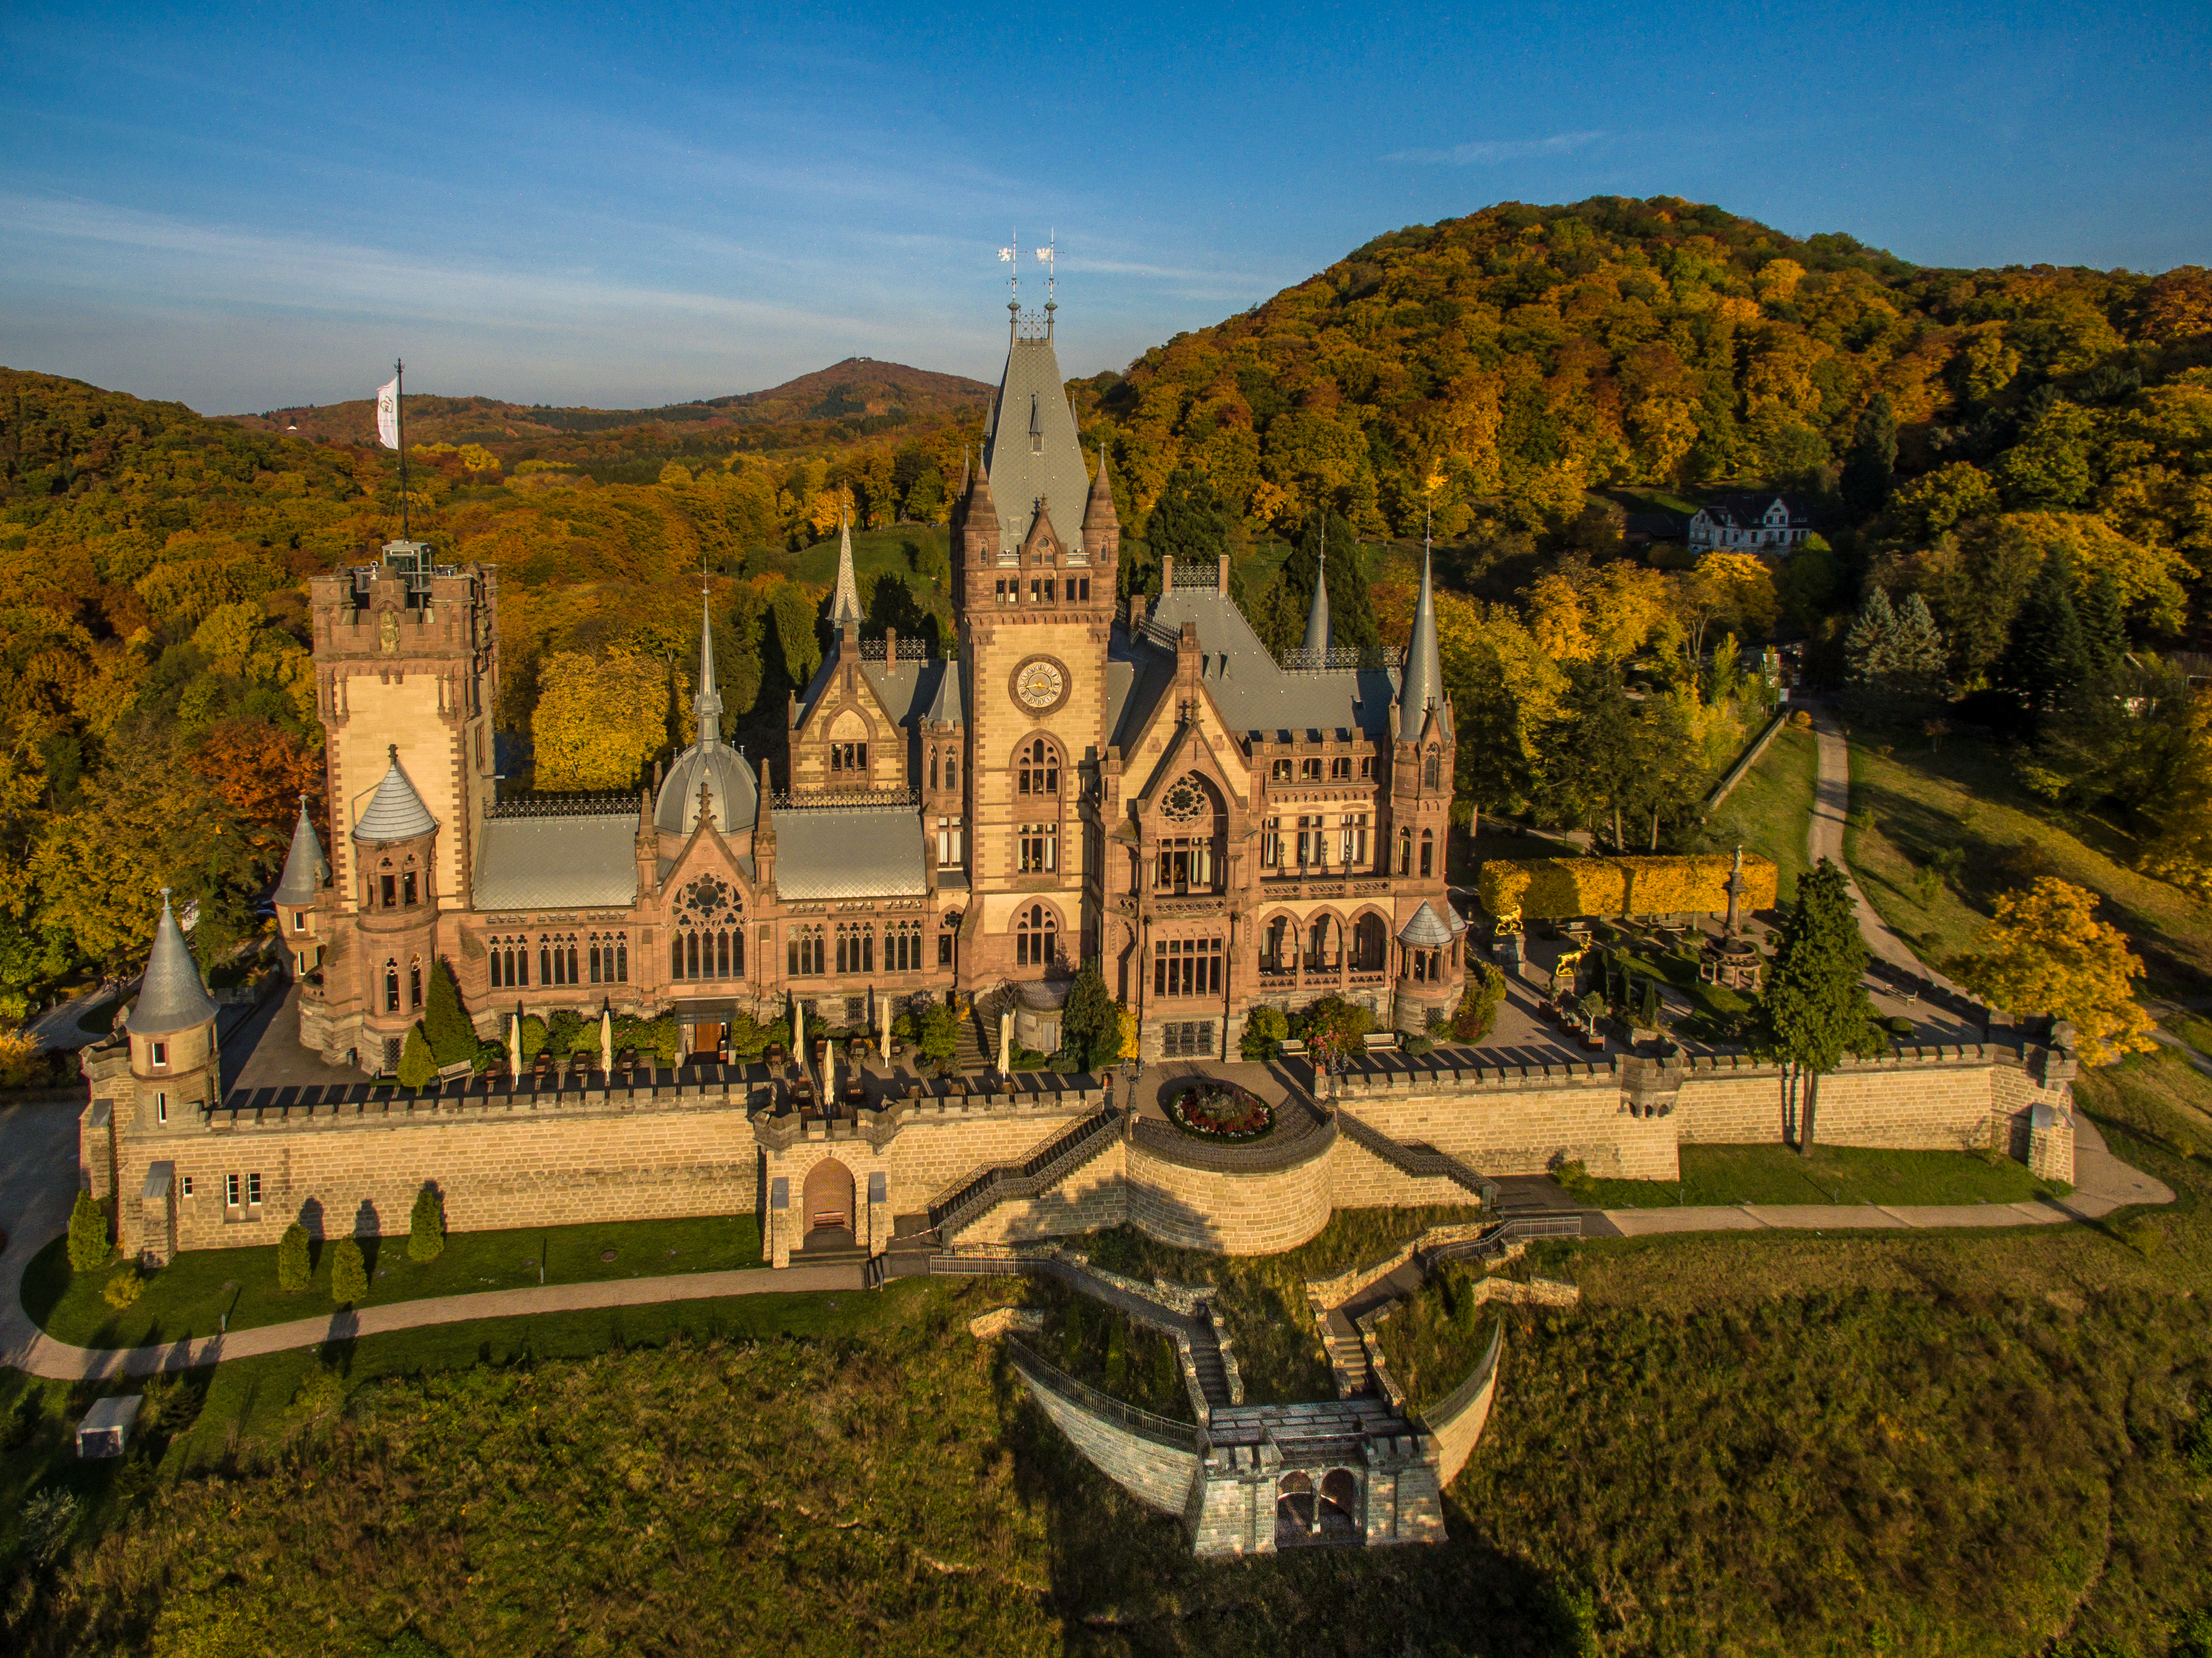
(395, 842)
(707, 704)
(172, 1030)
(298, 891)
(1423, 685)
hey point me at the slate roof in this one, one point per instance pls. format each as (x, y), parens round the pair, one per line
(171, 997)
(554, 863)
(845, 603)
(912, 690)
(1748, 512)
(1425, 929)
(306, 869)
(730, 783)
(395, 812)
(1033, 449)
(849, 852)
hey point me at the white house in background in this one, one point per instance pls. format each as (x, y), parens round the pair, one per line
(1754, 523)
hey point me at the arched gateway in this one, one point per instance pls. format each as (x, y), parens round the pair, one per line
(827, 1206)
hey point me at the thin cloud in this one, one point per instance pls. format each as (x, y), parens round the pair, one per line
(1487, 152)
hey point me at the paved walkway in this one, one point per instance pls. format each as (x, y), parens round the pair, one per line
(1831, 806)
(38, 1155)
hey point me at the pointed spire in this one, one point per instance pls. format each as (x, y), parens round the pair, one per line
(1316, 642)
(1098, 512)
(707, 705)
(845, 605)
(982, 511)
(762, 823)
(395, 812)
(1423, 684)
(171, 997)
(306, 869)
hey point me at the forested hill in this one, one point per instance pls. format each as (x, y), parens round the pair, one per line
(1498, 364)
(856, 399)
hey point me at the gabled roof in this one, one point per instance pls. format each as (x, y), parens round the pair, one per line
(1748, 511)
(849, 852)
(306, 869)
(395, 812)
(913, 690)
(556, 863)
(171, 996)
(1033, 451)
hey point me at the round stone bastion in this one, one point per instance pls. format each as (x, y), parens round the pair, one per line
(1253, 1199)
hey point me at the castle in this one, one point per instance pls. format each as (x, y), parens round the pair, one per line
(1142, 785)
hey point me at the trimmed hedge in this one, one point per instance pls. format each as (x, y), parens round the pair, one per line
(1553, 889)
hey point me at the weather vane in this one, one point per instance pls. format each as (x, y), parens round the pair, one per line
(1046, 255)
(1012, 256)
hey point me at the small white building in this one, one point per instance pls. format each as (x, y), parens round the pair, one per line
(1752, 523)
(105, 1429)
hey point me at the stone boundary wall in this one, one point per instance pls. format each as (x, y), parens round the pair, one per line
(1456, 1422)
(1329, 1293)
(1231, 1213)
(1152, 1467)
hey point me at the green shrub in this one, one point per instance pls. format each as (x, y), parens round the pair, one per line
(349, 1272)
(1265, 1027)
(294, 1264)
(445, 1021)
(1091, 1029)
(426, 1227)
(1071, 1337)
(417, 1068)
(89, 1245)
(1477, 1012)
(1117, 1355)
(1414, 1045)
(490, 1056)
(533, 1037)
(125, 1287)
(567, 1035)
(1166, 1379)
(940, 1033)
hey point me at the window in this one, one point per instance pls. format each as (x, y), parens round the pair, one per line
(1036, 940)
(1405, 851)
(557, 961)
(510, 963)
(803, 952)
(902, 947)
(1185, 862)
(1010, 589)
(389, 886)
(856, 948)
(1040, 591)
(1309, 770)
(253, 1191)
(1191, 1039)
(391, 987)
(160, 1108)
(1428, 966)
(932, 768)
(161, 1051)
(1428, 852)
(1324, 943)
(1280, 771)
(230, 1191)
(1038, 769)
(1039, 845)
(1275, 947)
(188, 1185)
(609, 957)
(1271, 845)
(1186, 967)
(1313, 844)
(1339, 769)
(951, 774)
(1078, 589)
(951, 853)
(414, 982)
(1352, 839)
(298, 920)
(948, 927)
(1370, 944)
(407, 888)
(848, 756)
(1432, 768)
(1366, 766)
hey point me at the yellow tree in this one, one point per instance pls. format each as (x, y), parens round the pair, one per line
(2045, 951)
(598, 720)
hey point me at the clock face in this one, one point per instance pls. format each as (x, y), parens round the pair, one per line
(1040, 682)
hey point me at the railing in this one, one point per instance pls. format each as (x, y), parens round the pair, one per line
(1338, 658)
(910, 650)
(1423, 1162)
(564, 806)
(1003, 1181)
(1197, 572)
(847, 799)
(1522, 1228)
(1181, 1435)
(1448, 1408)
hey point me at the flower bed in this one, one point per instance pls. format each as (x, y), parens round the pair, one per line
(1221, 1111)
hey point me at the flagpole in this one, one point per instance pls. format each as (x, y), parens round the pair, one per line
(399, 413)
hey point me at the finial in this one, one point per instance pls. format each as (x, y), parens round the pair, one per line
(392, 750)
(1011, 255)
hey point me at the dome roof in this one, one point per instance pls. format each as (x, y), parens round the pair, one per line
(730, 786)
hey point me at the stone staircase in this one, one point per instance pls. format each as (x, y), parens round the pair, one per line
(1347, 1356)
(1004, 1182)
(1422, 1161)
(1206, 1360)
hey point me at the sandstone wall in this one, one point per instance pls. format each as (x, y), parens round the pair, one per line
(1525, 1129)
(1093, 1196)
(1245, 1213)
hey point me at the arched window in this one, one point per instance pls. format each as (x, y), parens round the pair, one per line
(1369, 945)
(709, 940)
(510, 963)
(1324, 944)
(856, 947)
(1185, 852)
(1428, 852)
(951, 774)
(407, 886)
(414, 982)
(609, 958)
(1037, 769)
(1275, 947)
(1405, 851)
(1432, 768)
(932, 768)
(390, 987)
(1036, 939)
(803, 947)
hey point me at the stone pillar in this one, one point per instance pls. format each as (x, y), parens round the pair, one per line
(878, 1237)
(2050, 1144)
(779, 1222)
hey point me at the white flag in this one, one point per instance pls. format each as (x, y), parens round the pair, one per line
(387, 413)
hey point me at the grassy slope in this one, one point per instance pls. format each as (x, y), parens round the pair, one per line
(1966, 796)
(1771, 812)
(189, 1296)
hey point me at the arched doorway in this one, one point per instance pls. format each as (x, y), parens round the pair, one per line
(826, 1206)
(1294, 1509)
(1338, 1510)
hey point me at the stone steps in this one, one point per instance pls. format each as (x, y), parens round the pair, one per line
(1347, 1356)
(1206, 1360)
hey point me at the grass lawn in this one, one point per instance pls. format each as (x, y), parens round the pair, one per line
(2158, 1095)
(1770, 812)
(2191, 1028)
(1923, 803)
(1836, 1174)
(189, 1296)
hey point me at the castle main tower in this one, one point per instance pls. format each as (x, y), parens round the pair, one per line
(1036, 543)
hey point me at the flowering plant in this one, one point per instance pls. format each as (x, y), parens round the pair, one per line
(1220, 1111)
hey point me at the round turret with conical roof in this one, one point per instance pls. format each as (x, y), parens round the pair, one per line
(172, 1030)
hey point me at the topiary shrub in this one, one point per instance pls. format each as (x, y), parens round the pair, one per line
(417, 1067)
(940, 1035)
(533, 1037)
(295, 1266)
(349, 1272)
(88, 1246)
(445, 1022)
(1265, 1027)
(426, 1227)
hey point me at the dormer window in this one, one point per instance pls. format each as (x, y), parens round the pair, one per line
(1036, 427)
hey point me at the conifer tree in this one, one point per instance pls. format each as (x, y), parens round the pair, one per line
(1188, 522)
(294, 1264)
(426, 1227)
(417, 1067)
(2103, 613)
(1871, 646)
(2045, 661)
(1091, 1026)
(1870, 467)
(1920, 646)
(445, 1021)
(1813, 1010)
(89, 1248)
(349, 1272)
(1351, 608)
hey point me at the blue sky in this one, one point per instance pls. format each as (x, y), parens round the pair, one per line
(243, 206)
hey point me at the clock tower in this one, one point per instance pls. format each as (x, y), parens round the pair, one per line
(1035, 542)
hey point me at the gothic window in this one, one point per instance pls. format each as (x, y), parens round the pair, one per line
(1428, 852)
(1275, 946)
(1432, 768)
(849, 757)
(1339, 769)
(948, 929)
(1040, 848)
(388, 890)
(1271, 845)
(709, 942)
(856, 947)
(951, 850)
(1279, 772)
(951, 774)
(902, 947)
(1186, 967)
(1405, 851)
(1037, 770)
(414, 982)
(1370, 944)
(1036, 939)
(390, 987)
(803, 950)
(1324, 944)
(1186, 855)
(609, 957)
(1310, 770)
(557, 960)
(932, 768)
(510, 963)
(407, 888)
(1313, 841)
(1367, 765)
